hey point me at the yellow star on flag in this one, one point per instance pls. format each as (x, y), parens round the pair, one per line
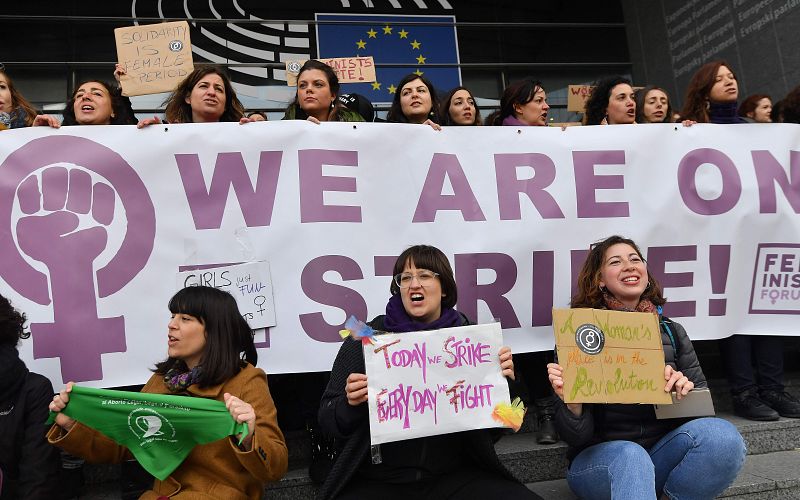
(420, 59)
(419, 73)
(376, 86)
(392, 89)
(372, 33)
(403, 33)
(387, 30)
(415, 45)
(361, 44)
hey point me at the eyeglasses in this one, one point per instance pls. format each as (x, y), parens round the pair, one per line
(424, 278)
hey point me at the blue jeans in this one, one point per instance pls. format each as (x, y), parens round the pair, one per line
(698, 460)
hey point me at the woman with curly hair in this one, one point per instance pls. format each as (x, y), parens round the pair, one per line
(623, 450)
(204, 96)
(94, 102)
(611, 103)
(21, 112)
(29, 466)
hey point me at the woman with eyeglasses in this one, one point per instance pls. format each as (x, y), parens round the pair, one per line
(623, 450)
(457, 465)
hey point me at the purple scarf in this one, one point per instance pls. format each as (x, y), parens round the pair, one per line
(397, 319)
(514, 122)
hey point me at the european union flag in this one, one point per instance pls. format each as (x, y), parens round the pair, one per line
(388, 40)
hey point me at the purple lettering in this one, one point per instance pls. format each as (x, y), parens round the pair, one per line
(543, 282)
(492, 294)
(313, 186)
(587, 183)
(323, 292)
(431, 199)
(731, 183)
(207, 206)
(657, 257)
(509, 186)
(770, 172)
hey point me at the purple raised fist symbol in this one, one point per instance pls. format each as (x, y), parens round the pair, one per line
(63, 192)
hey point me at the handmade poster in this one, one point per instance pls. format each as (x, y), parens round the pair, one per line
(156, 57)
(435, 382)
(249, 283)
(610, 356)
(576, 97)
(356, 69)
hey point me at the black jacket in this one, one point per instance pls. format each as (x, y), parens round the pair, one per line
(599, 423)
(30, 465)
(349, 425)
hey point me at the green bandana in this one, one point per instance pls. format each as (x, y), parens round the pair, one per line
(159, 429)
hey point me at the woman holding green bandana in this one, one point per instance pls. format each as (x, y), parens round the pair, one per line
(210, 355)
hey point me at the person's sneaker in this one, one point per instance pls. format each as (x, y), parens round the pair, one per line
(782, 402)
(748, 405)
(547, 433)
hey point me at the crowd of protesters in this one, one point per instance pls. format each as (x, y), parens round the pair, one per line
(211, 354)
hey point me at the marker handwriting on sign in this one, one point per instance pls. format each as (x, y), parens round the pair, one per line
(399, 403)
(464, 353)
(587, 386)
(405, 358)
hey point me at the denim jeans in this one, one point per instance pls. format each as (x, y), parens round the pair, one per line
(698, 460)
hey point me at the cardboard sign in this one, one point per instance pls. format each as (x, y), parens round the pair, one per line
(348, 69)
(249, 283)
(610, 356)
(434, 382)
(576, 97)
(156, 57)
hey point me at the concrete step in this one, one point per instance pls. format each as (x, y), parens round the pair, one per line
(767, 476)
(542, 464)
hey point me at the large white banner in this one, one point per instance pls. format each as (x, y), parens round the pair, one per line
(96, 222)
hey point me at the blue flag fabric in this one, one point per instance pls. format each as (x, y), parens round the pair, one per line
(388, 40)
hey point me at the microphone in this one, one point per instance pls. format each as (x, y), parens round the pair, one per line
(5, 120)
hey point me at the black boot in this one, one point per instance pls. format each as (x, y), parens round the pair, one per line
(782, 402)
(545, 413)
(747, 404)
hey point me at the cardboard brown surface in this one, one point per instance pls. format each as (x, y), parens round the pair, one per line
(576, 97)
(610, 356)
(156, 57)
(355, 69)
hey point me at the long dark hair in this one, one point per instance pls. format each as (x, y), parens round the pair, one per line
(695, 106)
(333, 83)
(521, 92)
(641, 97)
(120, 105)
(19, 103)
(229, 339)
(588, 293)
(396, 115)
(430, 258)
(444, 108)
(11, 324)
(179, 111)
(597, 103)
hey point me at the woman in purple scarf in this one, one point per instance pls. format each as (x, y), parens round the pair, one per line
(524, 103)
(458, 465)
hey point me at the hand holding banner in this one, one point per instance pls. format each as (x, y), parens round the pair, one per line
(435, 382)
